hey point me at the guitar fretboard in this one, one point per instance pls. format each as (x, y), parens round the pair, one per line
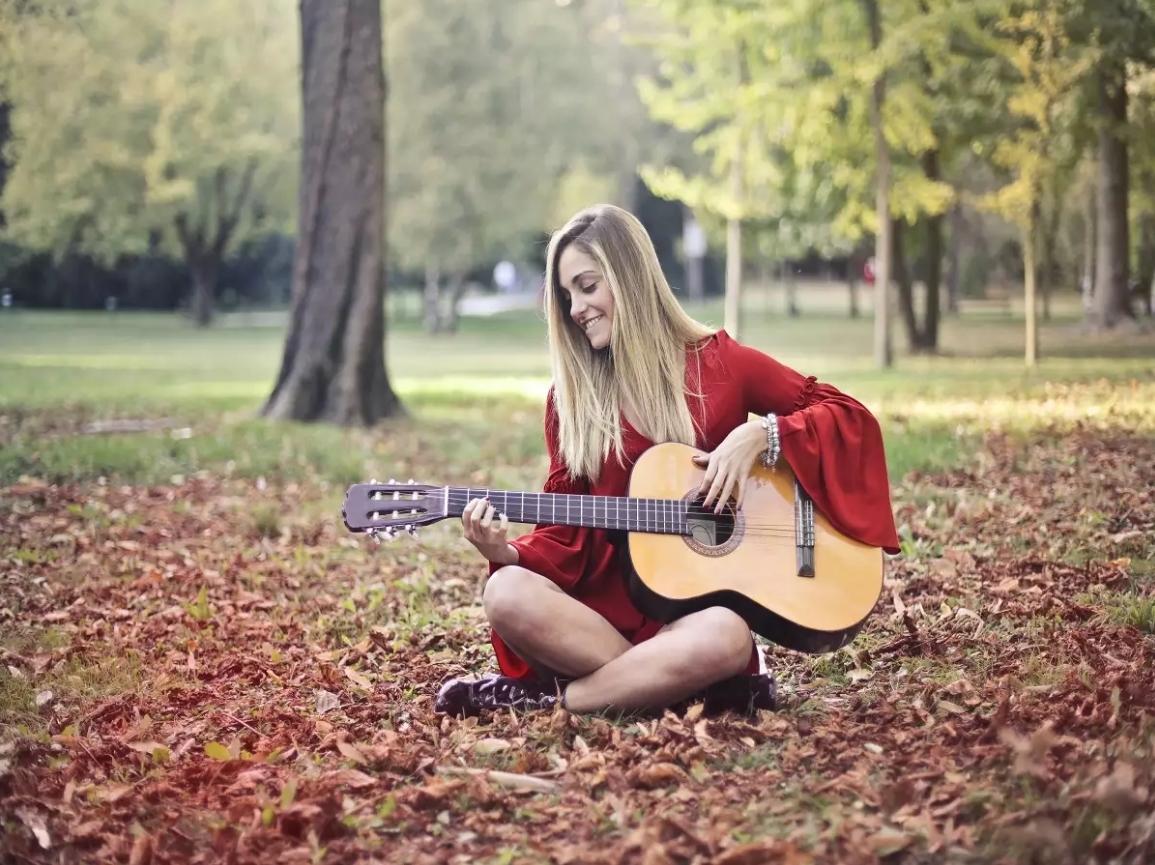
(658, 516)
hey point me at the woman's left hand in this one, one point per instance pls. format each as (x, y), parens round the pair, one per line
(728, 466)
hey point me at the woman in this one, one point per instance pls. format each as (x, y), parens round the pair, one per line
(631, 369)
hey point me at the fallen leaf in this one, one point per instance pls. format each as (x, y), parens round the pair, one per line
(491, 746)
(327, 702)
(358, 679)
(351, 752)
(217, 751)
(652, 775)
(35, 822)
(888, 840)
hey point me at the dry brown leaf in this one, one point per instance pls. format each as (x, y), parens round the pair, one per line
(358, 679)
(652, 775)
(351, 751)
(889, 840)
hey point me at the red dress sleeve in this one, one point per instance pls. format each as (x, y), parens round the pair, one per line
(558, 553)
(831, 442)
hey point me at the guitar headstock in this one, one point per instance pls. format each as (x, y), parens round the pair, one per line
(387, 508)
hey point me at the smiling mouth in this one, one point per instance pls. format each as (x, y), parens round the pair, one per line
(586, 325)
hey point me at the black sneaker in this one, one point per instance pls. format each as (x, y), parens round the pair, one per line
(466, 698)
(743, 694)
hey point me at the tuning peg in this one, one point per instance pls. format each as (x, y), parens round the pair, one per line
(412, 531)
(392, 480)
(372, 480)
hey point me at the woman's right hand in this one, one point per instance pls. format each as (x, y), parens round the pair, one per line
(487, 534)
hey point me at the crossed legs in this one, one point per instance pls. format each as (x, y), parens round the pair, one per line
(558, 635)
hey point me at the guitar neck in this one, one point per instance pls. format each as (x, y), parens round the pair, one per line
(657, 516)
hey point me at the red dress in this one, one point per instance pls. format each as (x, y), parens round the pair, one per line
(831, 441)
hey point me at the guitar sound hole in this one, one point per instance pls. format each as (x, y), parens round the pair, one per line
(709, 529)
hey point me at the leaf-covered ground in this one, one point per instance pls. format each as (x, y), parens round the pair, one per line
(208, 672)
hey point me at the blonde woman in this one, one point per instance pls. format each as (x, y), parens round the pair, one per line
(632, 369)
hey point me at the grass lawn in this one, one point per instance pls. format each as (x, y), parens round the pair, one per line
(197, 662)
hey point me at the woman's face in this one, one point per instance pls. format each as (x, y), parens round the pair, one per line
(591, 305)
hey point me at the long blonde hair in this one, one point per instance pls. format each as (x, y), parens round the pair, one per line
(645, 362)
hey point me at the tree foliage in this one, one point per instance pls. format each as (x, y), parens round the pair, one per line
(499, 110)
(141, 126)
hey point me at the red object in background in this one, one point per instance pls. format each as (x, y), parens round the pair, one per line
(868, 270)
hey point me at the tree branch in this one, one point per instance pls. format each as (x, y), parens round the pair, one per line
(228, 222)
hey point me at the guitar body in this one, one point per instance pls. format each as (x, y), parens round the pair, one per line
(747, 561)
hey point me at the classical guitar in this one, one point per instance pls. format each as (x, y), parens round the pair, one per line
(777, 562)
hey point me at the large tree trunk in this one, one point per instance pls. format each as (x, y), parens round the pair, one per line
(883, 351)
(333, 369)
(203, 270)
(1112, 301)
(905, 285)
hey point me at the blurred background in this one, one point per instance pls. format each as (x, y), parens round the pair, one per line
(121, 118)
(153, 156)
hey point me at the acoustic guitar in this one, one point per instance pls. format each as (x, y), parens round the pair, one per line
(777, 562)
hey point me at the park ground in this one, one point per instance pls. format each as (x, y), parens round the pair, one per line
(199, 664)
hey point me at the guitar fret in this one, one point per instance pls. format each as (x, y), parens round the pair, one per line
(622, 513)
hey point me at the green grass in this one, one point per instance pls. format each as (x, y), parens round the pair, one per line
(475, 398)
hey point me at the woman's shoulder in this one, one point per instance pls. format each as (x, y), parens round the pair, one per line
(716, 347)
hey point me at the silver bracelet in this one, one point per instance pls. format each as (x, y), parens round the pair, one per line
(773, 444)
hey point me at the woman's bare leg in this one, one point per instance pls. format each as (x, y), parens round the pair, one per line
(551, 630)
(548, 629)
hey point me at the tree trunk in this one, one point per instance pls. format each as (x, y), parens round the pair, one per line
(1146, 275)
(954, 268)
(1029, 299)
(853, 265)
(1090, 244)
(432, 297)
(1112, 301)
(203, 271)
(905, 285)
(791, 292)
(883, 351)
(454, 291)
(733, 302)
(333, 368)
(5, 134)
(1048, 266)
(928, 335)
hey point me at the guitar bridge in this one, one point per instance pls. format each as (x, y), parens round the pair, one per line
(803, 531)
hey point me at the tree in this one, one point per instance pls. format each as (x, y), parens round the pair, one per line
(716, 68)
(1121, 34)
(498, 104)
(1035, 42)
(144, 127)
(333, 367)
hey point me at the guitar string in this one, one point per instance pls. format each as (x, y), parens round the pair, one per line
(651, 515)
(752, 528)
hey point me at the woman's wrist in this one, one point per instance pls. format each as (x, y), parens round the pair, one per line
(506, 555)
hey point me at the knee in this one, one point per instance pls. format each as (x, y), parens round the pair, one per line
(508, 599)
(727, 643)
